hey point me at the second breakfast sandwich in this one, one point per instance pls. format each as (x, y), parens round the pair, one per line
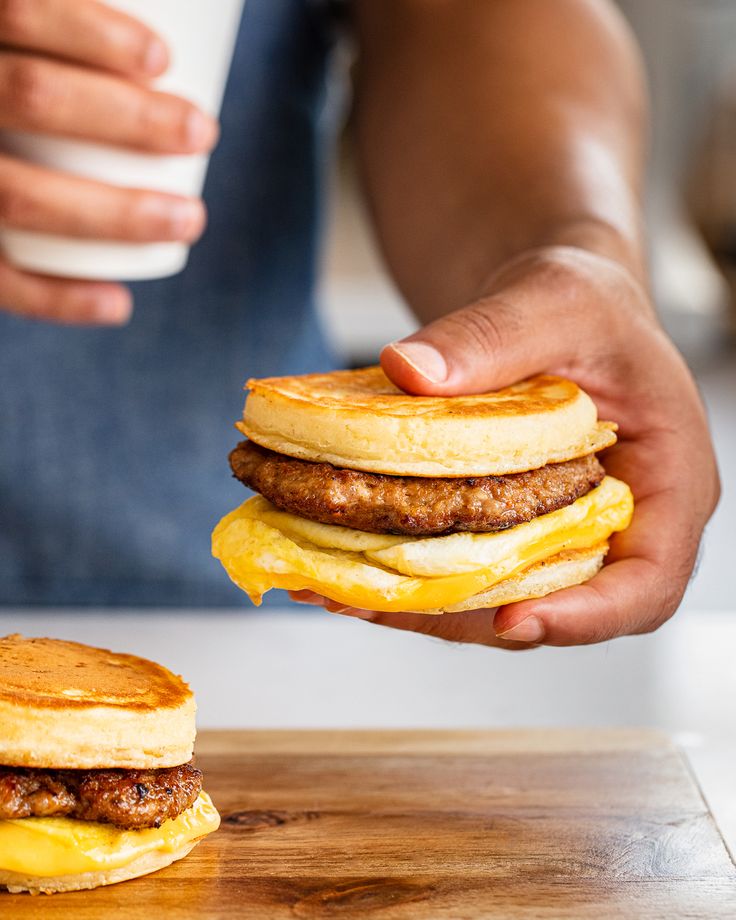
(96, 780)
(390, 502)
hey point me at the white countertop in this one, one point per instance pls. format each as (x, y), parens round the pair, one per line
(307, 668)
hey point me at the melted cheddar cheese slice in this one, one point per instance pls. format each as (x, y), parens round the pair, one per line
(65, 846)
(263, 548)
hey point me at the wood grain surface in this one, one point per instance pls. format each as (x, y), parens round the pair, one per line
(510, 824)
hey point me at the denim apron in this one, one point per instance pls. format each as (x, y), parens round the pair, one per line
(114, 442)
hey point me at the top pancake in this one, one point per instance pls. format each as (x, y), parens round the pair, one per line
(63, 704)
(359, 420)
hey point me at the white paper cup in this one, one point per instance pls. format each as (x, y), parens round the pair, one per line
(200, 35)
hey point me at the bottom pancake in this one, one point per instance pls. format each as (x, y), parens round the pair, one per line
(46, 855)
(17, 883)
(561, 571)
(411, 505)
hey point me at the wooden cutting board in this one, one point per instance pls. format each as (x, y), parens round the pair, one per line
(509, 824)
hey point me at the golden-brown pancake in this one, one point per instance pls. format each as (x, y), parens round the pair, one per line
(67, 705)
(359, 420)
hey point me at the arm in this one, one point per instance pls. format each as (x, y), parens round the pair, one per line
(501, 147)
(486, 128)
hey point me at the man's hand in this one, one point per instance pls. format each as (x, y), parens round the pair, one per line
(505, 148)
(78, 68)
(565, 311)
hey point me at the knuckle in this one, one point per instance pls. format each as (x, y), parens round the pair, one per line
(29, 90)
(17, 19)
(601, 295)
(73, 308)
(12, 207)
(658, 620)
(716, 490)
(569, 276)
(607, 628)
(164, 120)
(143, 125)
(133, 217)
(665, 595)
(489, 326)
(181, 115)
(136, 46)
(659, 616)
(560, 270)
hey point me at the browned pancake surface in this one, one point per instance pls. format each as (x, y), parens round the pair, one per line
(54, 674)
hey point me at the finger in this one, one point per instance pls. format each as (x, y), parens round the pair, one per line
(476, 626)
(32, 198)
(535, 319)
(52, 97)
(307, 597)
(473, 626)
(624, 599)
(86, 31)
(317, 600)
(63, 301)
(636, 592)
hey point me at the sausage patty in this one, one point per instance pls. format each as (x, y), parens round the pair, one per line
(126, 798)
(411, 505)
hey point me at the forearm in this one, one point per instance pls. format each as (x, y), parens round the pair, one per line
(486, 128)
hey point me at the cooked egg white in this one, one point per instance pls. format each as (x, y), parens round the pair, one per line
(49, 847)
(576, 526)
(263, 548)
(328, 536)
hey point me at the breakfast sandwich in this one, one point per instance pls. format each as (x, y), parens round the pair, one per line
(97, 783)
(389, 502)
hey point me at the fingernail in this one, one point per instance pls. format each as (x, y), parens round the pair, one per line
(202, 130)
(529, 630)
(169, 218)
(354, 613)
(424, 359)
(114, 309)
(186, 219)
(156, 57)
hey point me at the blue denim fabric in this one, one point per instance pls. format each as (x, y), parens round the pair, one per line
(113, 442)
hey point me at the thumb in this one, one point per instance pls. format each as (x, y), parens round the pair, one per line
(529, 324)
(488, 345)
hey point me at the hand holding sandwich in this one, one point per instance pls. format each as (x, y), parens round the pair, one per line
(568, 312)
(506, 194)
(504, 156)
